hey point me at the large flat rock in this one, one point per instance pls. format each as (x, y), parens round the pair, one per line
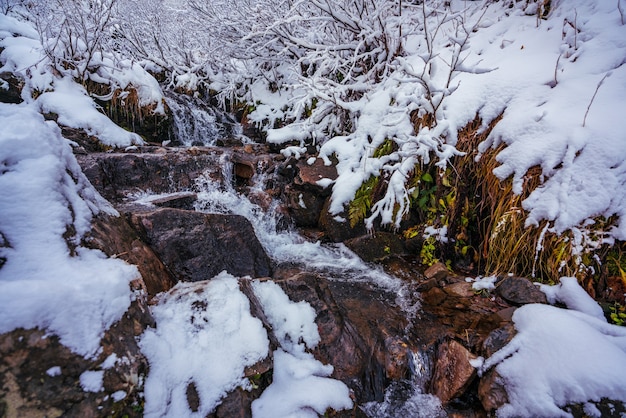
(197, 246)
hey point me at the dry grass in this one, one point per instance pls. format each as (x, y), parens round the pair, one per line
(502, 241)
(124, 108)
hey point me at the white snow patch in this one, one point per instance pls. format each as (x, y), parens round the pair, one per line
(76, 297)
(484, 283)
(573, 296)
(300, 388)
(118, 396)
(293, 322)
(205, 335)
(54, 371)
(560, 357)
(440, 234)
(92, 380)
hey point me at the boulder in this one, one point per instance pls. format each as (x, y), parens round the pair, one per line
(309, 175)
(114, 236)
(491, 391)
(180, 200)
(304, 206)
(459, 289)
(498, 338)
(520, 291)
(337, 227)
(376, 246)
(362, 335)
(453, 371)
(11, 86)
(41, 377)
(437, 271)
(117, 175)
(197, 246)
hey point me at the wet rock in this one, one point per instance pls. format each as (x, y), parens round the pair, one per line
(376, 246)
(362, 334)
(237, 404)
(337, 227)
(434, 296)
(247, 164)
(197, 246)
(181, 200)
(498, 338)
(453, 371)
(309, 175)
(11, 86)
(506, 314)
(113, 236)
(437, 271)
(460, 289)
(304, 207)
(41, 377)
(427, 285)
(519, 291)
(118, 175)
(491, 391)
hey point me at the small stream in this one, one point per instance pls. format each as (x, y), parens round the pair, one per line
(198, 124)
(336, 262)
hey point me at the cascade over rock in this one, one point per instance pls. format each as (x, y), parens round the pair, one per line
(385, 344)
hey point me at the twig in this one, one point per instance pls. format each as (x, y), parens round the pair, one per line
(556, 68)
(594, 96)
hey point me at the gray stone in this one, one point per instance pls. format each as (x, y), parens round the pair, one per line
(197, 246)
(520, 291)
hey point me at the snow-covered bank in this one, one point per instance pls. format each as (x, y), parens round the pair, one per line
(561, 357)
(53, 92)
(557, 79)
(46, 206)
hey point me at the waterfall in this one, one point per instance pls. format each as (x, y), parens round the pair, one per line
(287, 246)
(197, 123)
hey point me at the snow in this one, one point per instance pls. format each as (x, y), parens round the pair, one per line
(573, 355)
(293, 322)
(205, 335)
(118, 396)
(300, 386)
(573, 296)
(92, 380)
(558, 82)
(44, 196)
(484, 283)
(54, 371)
(60, 94)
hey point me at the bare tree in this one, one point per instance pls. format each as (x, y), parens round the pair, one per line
(75, 33)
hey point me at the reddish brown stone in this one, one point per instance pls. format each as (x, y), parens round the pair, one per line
(491, 391)
(437, 271)
(453, 371)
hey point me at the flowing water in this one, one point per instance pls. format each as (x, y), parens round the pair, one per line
(198, 124)
(335, 261)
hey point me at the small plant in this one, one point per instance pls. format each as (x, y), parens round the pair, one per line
(362, 202)
(618, 314)
(427, 254)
